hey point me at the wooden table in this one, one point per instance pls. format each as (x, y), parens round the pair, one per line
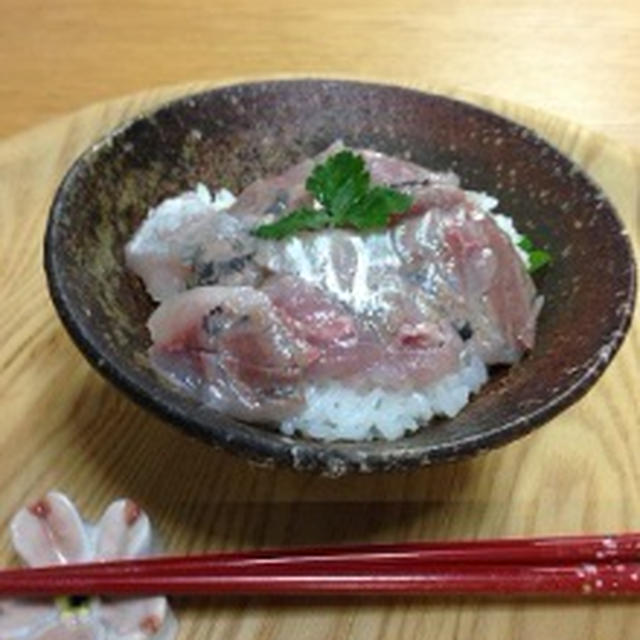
(63, 426)
(578, 58)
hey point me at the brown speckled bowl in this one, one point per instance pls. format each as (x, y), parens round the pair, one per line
(230, 136)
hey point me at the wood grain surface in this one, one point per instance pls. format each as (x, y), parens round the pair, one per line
(64, 427)
(577, 58)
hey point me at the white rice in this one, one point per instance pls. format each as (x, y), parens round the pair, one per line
(336, 412)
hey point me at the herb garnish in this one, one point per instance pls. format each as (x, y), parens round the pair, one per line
(342, 187)
(538, 258)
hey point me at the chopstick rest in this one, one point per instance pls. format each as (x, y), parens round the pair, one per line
(51, 532)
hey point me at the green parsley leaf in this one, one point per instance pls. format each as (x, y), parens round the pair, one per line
(377, 206)
(299, 220)
(525, 244)
(340, 182)
(342, 186)
(538, 258)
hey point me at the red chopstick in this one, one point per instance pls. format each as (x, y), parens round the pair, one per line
(549, 550)
(486, 580)
(573, 565)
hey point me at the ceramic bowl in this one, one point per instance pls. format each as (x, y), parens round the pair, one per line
(235, 134)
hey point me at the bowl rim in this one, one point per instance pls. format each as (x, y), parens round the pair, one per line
(258, 444)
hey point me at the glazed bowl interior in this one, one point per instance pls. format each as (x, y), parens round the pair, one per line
(228, 137)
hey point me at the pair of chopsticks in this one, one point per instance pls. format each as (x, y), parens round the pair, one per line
(554, 566)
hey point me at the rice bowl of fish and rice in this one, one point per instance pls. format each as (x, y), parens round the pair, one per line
(195, 250)
(230, 137)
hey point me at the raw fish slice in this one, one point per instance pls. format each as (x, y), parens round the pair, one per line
(277, 195)
(333, 260)
(361, 271)
(500, 297)
(187, 241)
(310, 313)
(369, 353)
(396, 172)
(229, 345)
(458, 254)
(345, 345)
